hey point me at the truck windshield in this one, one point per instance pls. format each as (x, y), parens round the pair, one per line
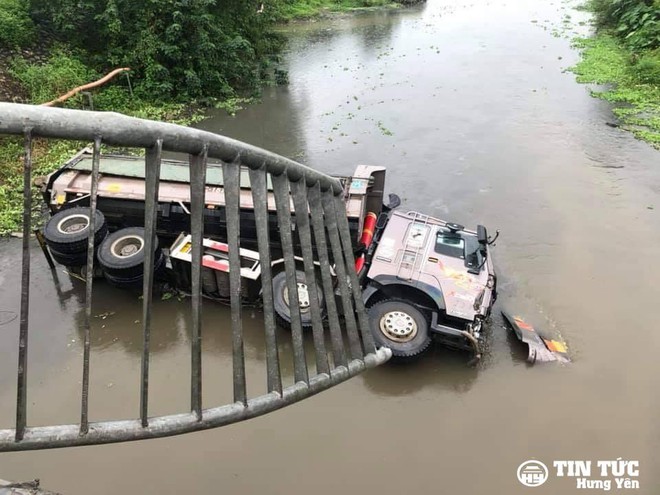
(450, 244)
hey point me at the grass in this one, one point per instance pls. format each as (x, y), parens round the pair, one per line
(305, 9)
(49, 155)
(44, 82)
(630, 83)
(46, 156)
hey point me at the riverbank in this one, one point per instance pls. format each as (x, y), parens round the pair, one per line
(11, 88)
(39, 72)
(35, 75)
(308, 9)
(636, 104)
(42, 72)
(623, 58)
(48, 155)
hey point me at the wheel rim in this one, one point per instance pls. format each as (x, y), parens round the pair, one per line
(303, 296)
(127, 246)
(73, 224)
(398, 326)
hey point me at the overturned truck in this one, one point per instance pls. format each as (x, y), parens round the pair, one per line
(421, 277)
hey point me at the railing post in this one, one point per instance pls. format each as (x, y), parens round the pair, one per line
(197, 193)
(152, 174)
(21, 387)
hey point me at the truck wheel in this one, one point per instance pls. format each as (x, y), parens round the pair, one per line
(400, 326)
(125, 283)
(66, 232)
(134, 281)
(121, 255)
(281, 299)
(69, 259)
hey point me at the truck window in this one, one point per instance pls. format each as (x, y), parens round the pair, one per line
(450, 244)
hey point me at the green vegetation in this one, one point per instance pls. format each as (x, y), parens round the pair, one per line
(625, 55)
(635, 22)
(45, 82)
(63, 72)
(16, 27)
(46, 157)
(184, 55)
(300, 9)
(177, 49)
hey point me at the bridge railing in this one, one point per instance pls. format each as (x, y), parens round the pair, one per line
(309, 190)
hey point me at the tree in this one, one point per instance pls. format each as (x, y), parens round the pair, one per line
(177, 48)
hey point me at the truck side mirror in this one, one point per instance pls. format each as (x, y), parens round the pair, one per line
(394, 202)
(482, 235)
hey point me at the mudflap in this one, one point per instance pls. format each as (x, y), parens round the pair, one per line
(540, 349)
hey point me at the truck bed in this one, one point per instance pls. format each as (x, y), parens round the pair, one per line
(121, 192)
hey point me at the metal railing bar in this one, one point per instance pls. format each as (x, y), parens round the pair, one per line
(338, 352)
(21, 386)
(231, 173)
(89, 279)
(327, 200)
(197, 193)
(283, 206)
(260, 197)
(45, 437)
(299, 193)
(317, 245)
(363, 319)
(126, 131)
(152, 175)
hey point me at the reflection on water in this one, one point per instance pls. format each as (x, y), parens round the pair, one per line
(57, 335)
(467, 106)
(438, 370)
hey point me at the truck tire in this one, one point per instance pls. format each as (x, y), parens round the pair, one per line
(134, 281)
(400, 326)
(281, 299)
(121, 254)
(66, 232)
(125, 283)
(69, 259)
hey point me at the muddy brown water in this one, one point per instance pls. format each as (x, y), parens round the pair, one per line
(467, 105)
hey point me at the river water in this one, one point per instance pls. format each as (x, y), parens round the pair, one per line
(469, 107)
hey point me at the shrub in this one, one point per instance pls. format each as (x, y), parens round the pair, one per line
(112, 97)
(177, 49)
(16, 28)
(636, 22)
(647, 68)
(45, 82)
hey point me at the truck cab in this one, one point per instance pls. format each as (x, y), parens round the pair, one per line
(425, 276)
